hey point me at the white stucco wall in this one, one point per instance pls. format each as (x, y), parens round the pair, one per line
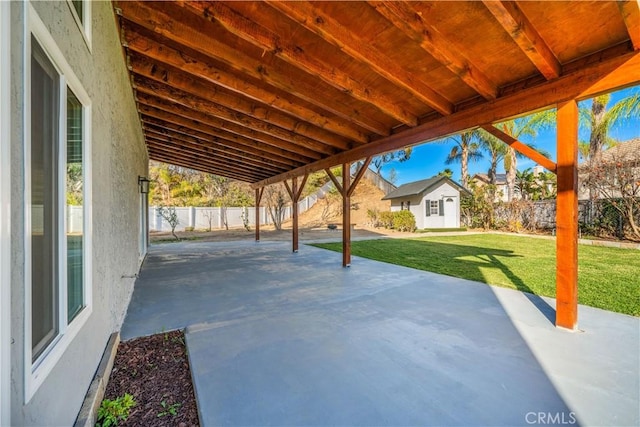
(118, 156)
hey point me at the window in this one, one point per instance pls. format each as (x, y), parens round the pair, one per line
(433, 207)
(78, 5)
(401, 206)
(58, 216)
(408, 205)
(81, 11)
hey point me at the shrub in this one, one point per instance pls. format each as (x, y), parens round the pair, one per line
(385, 219)
(404, 221)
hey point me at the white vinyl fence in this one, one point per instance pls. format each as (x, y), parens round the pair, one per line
(203, 218)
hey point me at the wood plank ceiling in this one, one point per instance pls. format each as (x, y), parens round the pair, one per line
(259, 90)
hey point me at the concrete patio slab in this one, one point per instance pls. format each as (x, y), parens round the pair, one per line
(277, 338)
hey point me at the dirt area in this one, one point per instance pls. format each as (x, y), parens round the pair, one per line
(155, 370)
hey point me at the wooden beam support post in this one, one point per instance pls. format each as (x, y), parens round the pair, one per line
(346, 189)
(259, 192)
(567, 217)
(295, 192)
(346, 215)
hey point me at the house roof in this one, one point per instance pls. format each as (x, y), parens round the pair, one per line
(501, 178)
(419, 187)
(265, 91)
(623, 151)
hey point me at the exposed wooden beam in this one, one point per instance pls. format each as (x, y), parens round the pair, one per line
(200, 94)
(591, 80)
(154, 125)
(197, 78)
(259, 36)
(516, 23)
(331, 30)
(181, 143)
(359, 176)
(215, 115)
(192, 163)
(417, 27)
(567, 217)
(335, 181)
(522, 148)
(200, 38)
(255, 145)
(208, 159)
(630, 10)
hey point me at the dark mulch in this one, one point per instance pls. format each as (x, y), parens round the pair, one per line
(155, 369)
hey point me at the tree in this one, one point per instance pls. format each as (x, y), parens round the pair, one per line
(617, 179)
(467, 148)
(170, 215)
(276, 202)
(600, 120)
(399, 155)
(497, 151)
(523, 126)
(446, 172)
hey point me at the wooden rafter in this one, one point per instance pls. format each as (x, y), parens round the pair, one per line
(247, 139)
(417, 28)
(201, 40)
(298, 57)
(156, 126)
(586, 82)
(204, 111)
(179, 87)
(181, 142)
(157, 62)
(521, 148)
(630, 10)
(516, 23)
(331, 30)
(187, 161)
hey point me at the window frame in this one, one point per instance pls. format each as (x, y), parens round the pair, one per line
(5, 211)
(431, 207)
(35, 372)
(83, 22)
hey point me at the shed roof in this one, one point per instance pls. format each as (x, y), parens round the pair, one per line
(419, 187)
(263, 91)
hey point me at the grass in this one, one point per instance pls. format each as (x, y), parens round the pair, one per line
(607, 277)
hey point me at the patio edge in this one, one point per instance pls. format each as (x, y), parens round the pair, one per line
(89, 410)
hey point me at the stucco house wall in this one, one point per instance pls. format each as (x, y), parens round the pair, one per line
(418, 206)
(118, 156)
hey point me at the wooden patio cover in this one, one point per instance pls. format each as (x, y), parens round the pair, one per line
(268, 91)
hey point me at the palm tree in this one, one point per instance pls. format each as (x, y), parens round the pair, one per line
(529, 125)
(467, 148)
(496, 149)
(600, 120)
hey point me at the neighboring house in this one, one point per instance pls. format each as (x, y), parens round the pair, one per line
(623, 154)
(72, 153)
(435, 202)
(482, 179)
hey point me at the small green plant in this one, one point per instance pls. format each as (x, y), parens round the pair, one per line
(111, 412)
(168, 409)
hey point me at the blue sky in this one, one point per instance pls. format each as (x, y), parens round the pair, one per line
(428, 159)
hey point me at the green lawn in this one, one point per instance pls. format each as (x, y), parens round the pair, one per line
(608, 278)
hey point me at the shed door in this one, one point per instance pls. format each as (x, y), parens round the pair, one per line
(450, 212)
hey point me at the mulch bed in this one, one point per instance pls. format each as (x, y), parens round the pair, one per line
(154, 370)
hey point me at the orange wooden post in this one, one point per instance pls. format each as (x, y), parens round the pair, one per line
(258, 198)
(346, 215)
(294, 191)
(567, 217)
